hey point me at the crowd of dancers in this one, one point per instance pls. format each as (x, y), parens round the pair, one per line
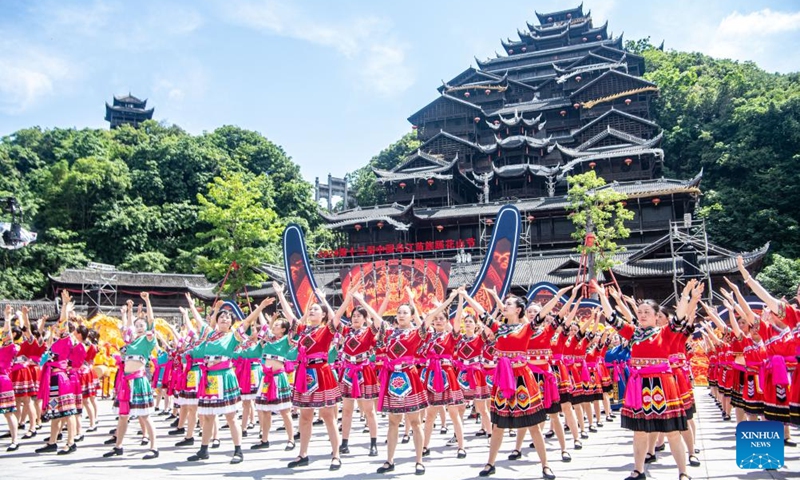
(528, 370)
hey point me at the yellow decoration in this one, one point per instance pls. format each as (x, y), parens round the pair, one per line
(592, 103)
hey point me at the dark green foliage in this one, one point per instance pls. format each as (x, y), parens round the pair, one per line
(131, 197)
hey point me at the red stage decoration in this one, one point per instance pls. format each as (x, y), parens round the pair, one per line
(426, 278)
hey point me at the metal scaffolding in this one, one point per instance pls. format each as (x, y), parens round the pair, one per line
(688, 243)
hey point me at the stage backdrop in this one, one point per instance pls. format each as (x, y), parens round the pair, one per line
(426, 278)
(542, 293)
(299, 279)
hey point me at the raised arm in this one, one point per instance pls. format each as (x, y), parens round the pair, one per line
(772, 303)
(415, 311)
(551, 304)
(335, 319)
(714, 316)
(564, 310)
(439, 309)
(479, 310)
(287, 309)
(377, 320)
(151, 320)
(620, 304)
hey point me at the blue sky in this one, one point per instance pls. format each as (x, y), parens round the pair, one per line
(331, 81)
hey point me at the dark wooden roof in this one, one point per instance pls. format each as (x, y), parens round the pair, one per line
(36, 308)
(131, 279)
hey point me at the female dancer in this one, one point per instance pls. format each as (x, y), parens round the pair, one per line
(644, 412)
(134, 394)
(402, 391)
(471, 375)
(275, 394)
(547, 373)
(315, 383)
(8, 350)
(218, 388)
(25, 375)
(439, 376)
(358, 378)
(55, 390)
(516, 398)
(89, 379)
(193, 357)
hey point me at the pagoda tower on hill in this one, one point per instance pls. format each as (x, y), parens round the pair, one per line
(128, 110)
(566, 98)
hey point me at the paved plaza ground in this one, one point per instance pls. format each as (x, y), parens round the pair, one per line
(606, 455)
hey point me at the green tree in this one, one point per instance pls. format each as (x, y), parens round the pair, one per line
(155, 262)
(781, 277)
(599, 211)
(244, 229)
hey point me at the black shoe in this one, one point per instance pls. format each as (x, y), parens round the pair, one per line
(661, 448)
(289, 446)
(789, 443)
(405, 439)
(201, 455)
(650, 458)
(13, 447)
(549, 434)
(515, 455)
(113, 453)
(298, 462)
(149, 456)
(111, 441)
(480, 433)
(318, 421)
(373, 450)
(566, 457)
(237, 458)
(49, 448)
(177, 431)
(599, 425)
(548, 474)
(88, 430)
(215, 443)
(225, 427)
(609, 418)
(639, 476)
(297, 435)
(186, 442)
(584, 435)
(336, 464)
(244, 433)
(532, 445)
(113, 431)
(512, 433)
(487, 471)
(259, 446)
(175, 423)
(578, 445)
(426, 452)
(461, 453)
(419, 469)
(443, 430)
(386, 467)
(60, 437)
(78, 439)
(694, 461)
(30, 434)
(592, 429)
(344, 449)
(70, 449)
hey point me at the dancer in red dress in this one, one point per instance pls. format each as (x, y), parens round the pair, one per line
(315, 385)
(8, 350)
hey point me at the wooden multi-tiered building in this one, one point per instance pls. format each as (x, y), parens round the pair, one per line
(566, 98)
(128, 110)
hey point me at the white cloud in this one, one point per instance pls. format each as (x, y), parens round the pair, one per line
(27, 76)
(754, 36)
(382, 67)
(761, 23)
(185, 80)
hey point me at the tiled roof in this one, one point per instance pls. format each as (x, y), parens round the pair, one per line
(131, 279)
(393, 210)
(36, 308)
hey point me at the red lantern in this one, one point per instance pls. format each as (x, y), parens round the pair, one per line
(592, 165)
(477, 119)
(563, 113)
(628, 161)
(380, 224)
(578, 78)
(402, 184)
(430, 182)
(584, 39)
(549, 19)
(510, 51)
(576, 105)
(627, 101)
(524, 49)
(488, 91)
(413, 127)
(599, 37)
(497, 122)
(624, 204)
(466, 94)
(656, 201)
(531, 218)
(569, 15)
(489, 221)
(357, 226)
(440, 228)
